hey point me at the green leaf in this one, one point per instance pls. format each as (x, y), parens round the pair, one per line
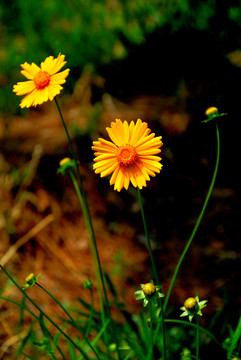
(235, 338)
(71, 351)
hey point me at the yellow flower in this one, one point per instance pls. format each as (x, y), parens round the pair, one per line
(44, 82)
(130, 157)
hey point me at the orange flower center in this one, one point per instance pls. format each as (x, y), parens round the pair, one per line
(41, 80)
(126, 155)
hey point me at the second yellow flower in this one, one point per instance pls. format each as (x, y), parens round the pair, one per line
(130, 157)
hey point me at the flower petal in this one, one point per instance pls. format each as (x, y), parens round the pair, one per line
(30, 70)
(24, 87)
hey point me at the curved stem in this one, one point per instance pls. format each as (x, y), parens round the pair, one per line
(188, 323)
(197, 223)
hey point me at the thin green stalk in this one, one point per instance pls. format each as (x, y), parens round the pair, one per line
(97, 265)
(71, 318)
(78, 192)
(151, 331)
(20, 305)
(154, 270)
(90, 225)
(197, 337)
(44, 314)
(91, 314)
(197, 223)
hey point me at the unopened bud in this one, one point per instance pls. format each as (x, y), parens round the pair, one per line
(149, 289)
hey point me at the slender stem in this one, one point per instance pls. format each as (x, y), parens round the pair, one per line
(197, 338)
(71, 318)
(97, 265)
(151, 331)
(91, 314)
(44, 314)
(90, 225)
(154, 270)
(92, 248)
(197, 223)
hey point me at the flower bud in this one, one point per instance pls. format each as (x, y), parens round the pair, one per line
(149, 289)
(64, 161)
(88, 284)
(191, 304)
(29, 278)
(211, 110)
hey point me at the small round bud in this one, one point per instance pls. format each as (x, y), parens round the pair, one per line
(190, 304)
(29, 278)
(211, 110)
(112, 347)
(88, 284)
(64, 161)
(149, 289)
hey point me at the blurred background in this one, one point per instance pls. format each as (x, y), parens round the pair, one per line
(164, 62)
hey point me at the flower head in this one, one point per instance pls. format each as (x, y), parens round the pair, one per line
(192, 306)
(131, 156)
(149, 293)
(44, 82)
(30, 280)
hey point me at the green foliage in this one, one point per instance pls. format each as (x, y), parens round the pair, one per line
(93, 32)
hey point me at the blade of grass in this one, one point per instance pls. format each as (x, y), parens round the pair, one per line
(71, 318)
(41, 311)
(235, 338)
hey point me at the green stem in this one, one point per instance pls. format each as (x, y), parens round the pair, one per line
(44, 314)
(88, 221)
(97, 265)
(71, 318)
(92, 248)
(91, 314)
(151, 331)
(154, 270)
(197, 223)
(197, 338)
